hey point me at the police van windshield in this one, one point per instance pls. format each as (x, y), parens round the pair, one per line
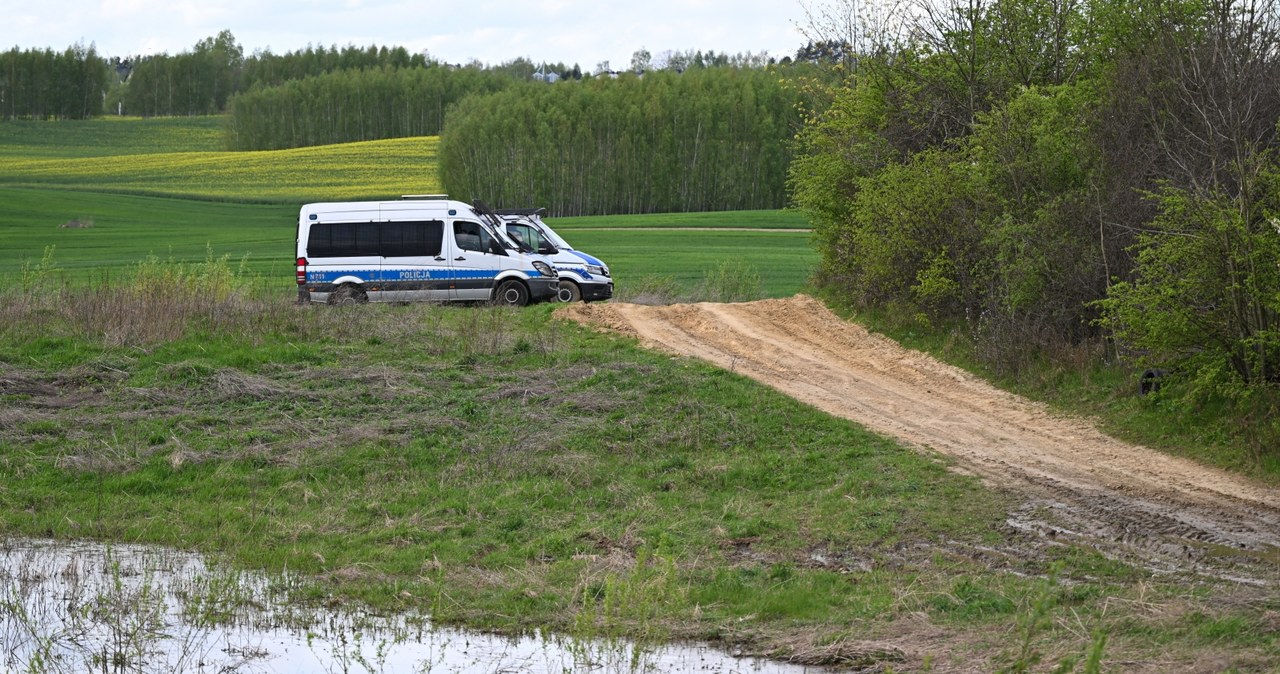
(556, 240)
(532, 237)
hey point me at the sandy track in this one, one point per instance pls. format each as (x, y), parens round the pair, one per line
(1166, 513)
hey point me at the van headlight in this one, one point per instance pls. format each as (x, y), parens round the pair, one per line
(597, 270)
(544, 269)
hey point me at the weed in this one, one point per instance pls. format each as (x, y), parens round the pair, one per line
(1036, 620)
(35, 277)
(652, 289)
(732, 281)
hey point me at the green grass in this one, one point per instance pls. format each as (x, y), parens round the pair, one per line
(507, 470)
(784, 260)
(158, 188)
(127, 229)
(109, 136)
(781, 219)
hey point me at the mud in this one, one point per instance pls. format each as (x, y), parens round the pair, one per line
(1078, 485)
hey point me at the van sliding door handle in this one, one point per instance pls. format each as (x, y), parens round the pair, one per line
(439, 258)
(460, 258)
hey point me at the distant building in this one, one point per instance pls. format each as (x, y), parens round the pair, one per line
(543, 76)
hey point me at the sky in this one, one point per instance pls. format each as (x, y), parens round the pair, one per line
(454, 31)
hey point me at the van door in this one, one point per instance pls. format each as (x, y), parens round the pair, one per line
(414, 267)
(476, 260)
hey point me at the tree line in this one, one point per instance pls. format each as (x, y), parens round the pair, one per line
(706, 139)
(78, 83)
(44, 84)
(1049, 173)
(682, 131)
(353, 105)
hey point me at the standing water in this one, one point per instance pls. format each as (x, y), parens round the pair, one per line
(84, 606)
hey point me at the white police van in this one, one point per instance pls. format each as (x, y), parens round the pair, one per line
(420, 248)
(582, 277)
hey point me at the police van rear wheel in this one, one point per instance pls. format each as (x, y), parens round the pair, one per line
(511, 294)
(569, 292)
(348, 295)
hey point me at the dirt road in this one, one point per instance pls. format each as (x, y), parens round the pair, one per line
(1080, 485)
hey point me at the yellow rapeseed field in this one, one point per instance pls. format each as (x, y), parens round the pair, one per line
(386, 168)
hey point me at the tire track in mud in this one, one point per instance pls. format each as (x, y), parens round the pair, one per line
(1163, 512)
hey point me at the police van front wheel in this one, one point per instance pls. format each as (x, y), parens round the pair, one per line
(511, 293)
(569, 292)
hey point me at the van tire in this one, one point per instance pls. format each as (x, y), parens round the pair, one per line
(347, 295)
(569, 292)
(511, 293)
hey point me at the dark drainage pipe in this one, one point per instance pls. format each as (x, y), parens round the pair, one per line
(1150, 381)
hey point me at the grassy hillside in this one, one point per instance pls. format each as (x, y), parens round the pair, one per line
(118, 231)
(127, 229)
(504, 469)
(376, 169)
(108, 136)
(683, 259)
(157, 188)
(714, 220)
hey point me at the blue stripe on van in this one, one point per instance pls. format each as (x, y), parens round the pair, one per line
(580, 271)
(587, 258)
(386, 275)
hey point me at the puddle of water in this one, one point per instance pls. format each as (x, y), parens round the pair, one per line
(85, 606)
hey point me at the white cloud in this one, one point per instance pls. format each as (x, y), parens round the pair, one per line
(113, 8)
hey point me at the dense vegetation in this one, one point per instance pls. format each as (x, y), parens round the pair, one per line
(80, 84)
(354, 105)
(1050, 174)
(702, 140)
(44, 84)
(691, 131)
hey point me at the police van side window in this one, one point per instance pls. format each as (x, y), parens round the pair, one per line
(388, 239)
(412, 239)
(332, 240)
(366, 238)
(471, 236)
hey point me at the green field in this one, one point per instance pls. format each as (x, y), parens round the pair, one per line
(157, 188)
(127, 229)
(504, 469)
(784, 260)
(785, 219)
(109, 136)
